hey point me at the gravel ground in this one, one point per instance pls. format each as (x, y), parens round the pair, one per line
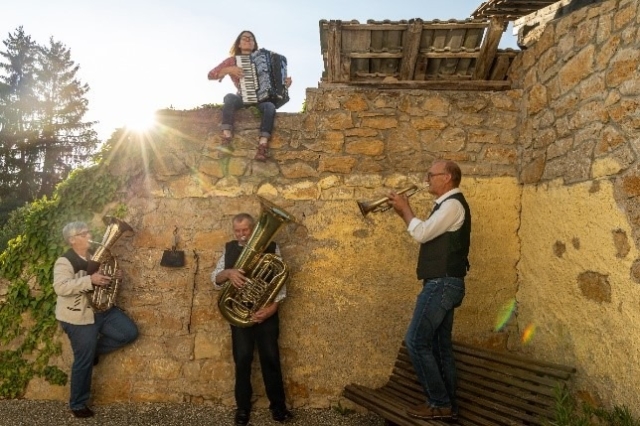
(55, 413)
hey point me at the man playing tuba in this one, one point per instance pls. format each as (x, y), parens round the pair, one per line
(264, 334)
(91, 333)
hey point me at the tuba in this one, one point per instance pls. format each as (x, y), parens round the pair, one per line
(104, 297)
(382, 205)
(266, 273)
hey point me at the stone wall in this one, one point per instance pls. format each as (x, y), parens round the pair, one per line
(550, 171)
(578, 271)
(353, 280)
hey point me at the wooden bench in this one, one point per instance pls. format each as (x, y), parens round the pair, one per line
(494, 388)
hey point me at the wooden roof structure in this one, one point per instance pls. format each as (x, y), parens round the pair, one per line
(510, 10)
(452, 55)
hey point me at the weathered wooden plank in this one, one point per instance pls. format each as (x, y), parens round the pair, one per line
(467, 391)
(443, 54)
(539, 397)
(510, 9)
(543, 367)
(334, 49)
(411, 47)
(489, 49)
(356, 41)
(429, 84)
(500, 67)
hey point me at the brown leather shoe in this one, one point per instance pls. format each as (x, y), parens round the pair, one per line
(261, 154)
(423, 411)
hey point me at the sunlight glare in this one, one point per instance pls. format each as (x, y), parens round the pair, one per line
(140, 121)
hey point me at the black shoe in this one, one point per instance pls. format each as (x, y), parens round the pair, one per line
(242, 417)
(281, 415)
(96, 360)
(83, 412)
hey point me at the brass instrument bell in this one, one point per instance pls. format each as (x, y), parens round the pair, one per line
(382, 205)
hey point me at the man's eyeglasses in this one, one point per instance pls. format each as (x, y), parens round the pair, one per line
(82, 234)
(430, 175)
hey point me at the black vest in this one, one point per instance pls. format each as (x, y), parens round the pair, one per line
(78, 263)
(447, 254)
(232, 251)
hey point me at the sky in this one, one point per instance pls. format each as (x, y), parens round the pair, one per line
(139, 56)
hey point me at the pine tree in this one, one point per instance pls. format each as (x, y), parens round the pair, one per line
(65, 140)
(42, 132)
(18, 111)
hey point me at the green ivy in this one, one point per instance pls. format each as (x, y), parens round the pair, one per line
(27, 315)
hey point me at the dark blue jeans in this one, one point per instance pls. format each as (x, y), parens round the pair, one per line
(265, 337)
(111, 330)
(233, 102)
(429, 343)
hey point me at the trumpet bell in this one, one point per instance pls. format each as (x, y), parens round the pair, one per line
(382, 205)
(375, 206)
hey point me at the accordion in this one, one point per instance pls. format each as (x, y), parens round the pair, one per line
(264, 77)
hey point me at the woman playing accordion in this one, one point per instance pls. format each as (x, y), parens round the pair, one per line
(261, 79)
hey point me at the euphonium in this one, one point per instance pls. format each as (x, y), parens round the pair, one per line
(104, 297)
(266, 273)
(382, 205)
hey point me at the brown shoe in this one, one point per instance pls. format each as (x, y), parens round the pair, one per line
(261, 154)
(423, 411)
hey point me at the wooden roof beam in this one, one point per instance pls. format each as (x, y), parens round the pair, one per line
(489, 49)
(410, 49)
(334, 51)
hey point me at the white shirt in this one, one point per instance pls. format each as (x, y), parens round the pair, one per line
(448, 218)
(220, 267)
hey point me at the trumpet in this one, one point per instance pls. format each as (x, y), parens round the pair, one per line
(382, 205)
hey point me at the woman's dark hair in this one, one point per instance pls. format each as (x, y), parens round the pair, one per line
(235, 48)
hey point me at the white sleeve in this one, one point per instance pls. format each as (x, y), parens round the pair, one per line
(448, 218)
(214, 274)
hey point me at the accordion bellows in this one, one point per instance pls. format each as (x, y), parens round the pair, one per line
(264, 77)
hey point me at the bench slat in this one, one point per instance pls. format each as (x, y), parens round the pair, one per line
(380, 403)
(494, 389)
(560, 371)
(532, 403)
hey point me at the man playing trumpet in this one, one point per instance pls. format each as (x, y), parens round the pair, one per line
(442, 265)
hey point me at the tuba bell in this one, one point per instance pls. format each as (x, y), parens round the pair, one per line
(266, 273)
(382, 205)
(104, 297)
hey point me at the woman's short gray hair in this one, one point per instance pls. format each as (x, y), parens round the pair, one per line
(72, 229)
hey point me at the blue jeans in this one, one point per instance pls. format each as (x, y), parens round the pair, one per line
(111, 330)
(265, 337)
(233, 102)
(429, 343)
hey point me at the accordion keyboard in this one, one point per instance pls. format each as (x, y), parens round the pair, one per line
(249, 80)
(264, 78)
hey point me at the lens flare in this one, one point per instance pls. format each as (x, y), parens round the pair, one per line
(528, 333)
(506, 312)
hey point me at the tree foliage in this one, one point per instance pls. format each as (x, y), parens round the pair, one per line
(27, 313)
(43, 135)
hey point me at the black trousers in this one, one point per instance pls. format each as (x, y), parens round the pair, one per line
(265, 337)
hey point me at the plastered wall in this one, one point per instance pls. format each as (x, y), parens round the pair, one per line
(578, 277)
